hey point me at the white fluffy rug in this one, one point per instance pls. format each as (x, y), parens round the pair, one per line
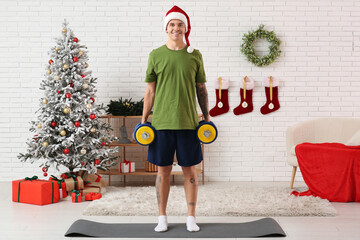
(213, 200)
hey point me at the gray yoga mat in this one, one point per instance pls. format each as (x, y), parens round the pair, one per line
(266, 227)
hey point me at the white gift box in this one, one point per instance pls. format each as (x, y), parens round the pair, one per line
(126, 167)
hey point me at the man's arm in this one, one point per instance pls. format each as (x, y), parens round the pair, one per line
(202, 96)
(148, 100)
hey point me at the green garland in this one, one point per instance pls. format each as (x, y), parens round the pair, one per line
(125, 107)
(247, 47)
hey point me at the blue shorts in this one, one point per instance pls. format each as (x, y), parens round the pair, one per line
(184, 142)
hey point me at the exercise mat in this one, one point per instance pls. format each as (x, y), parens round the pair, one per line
(266, 227)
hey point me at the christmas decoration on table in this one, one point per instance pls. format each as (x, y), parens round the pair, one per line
(34, 191)
(246, 102)
(92, 196)
(125, 107)
(247, 47)
(71, 132)
(62, 186)
(127, 167)
(72, 181)
(222, 100)
(76, 196)
(272, 96)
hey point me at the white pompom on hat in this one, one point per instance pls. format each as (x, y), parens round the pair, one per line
(177, 13)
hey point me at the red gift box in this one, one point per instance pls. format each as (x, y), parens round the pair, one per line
(62, 186)
(35, 191)
(92, 196)
(76, 196)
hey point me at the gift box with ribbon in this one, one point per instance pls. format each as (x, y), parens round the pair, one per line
(92, 196)
(127, 166)
(62, 186)
(72, 181)
(92, 177)
(35, 191)
(76, 196)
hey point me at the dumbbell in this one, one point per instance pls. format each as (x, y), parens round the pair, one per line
(144, 134)
(206, 132)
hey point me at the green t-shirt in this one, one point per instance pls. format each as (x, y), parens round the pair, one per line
(176, 73)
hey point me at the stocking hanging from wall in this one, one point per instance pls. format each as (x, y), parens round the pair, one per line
(272, 95)
(246, 92)
(222, 100)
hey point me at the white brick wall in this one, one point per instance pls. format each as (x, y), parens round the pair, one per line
(319, 69)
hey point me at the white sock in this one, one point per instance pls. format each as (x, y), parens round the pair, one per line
(162, 225)
(191, 225)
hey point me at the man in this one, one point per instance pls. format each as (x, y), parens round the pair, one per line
(175, 71)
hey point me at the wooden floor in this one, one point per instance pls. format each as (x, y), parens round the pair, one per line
(24, 221)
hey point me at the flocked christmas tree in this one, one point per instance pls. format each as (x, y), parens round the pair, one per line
(68, 130)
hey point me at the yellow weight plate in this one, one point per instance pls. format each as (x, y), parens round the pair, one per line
(206, 133)
(145, 135)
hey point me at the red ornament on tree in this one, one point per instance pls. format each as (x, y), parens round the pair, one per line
(44, 169)
(51, 61)
(75, 59)
(68, 95)
(45, 174)
(103, 144)
(77, 124)
(35, 137)
(97, 161)
(82, 163)
(92, 99)
(92, 116)
(71, 85)
(82, 76)
(66, 151)
(58, 92)
(53, 124)
(76, 39)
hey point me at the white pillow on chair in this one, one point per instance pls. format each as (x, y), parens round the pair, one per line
(354, 140)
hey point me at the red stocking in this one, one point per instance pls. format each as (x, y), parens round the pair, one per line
(271, 91)
(222, 100)
(246, 104)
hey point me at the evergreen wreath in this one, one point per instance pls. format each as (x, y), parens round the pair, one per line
(247, 47)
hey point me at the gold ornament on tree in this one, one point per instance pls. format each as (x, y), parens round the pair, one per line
(44, 101)
(81, 53)
(66, 110)
(66, 66)
(49, 71)
(39, 125)
(89, 106)
(64, 30)
(83, 151)
(93, 130)
(85, 86)
(86, 65)
(45, 144)
(62, 132)
(56, 49)
(56, 78)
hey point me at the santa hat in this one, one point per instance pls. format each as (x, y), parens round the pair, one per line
(177, 13)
